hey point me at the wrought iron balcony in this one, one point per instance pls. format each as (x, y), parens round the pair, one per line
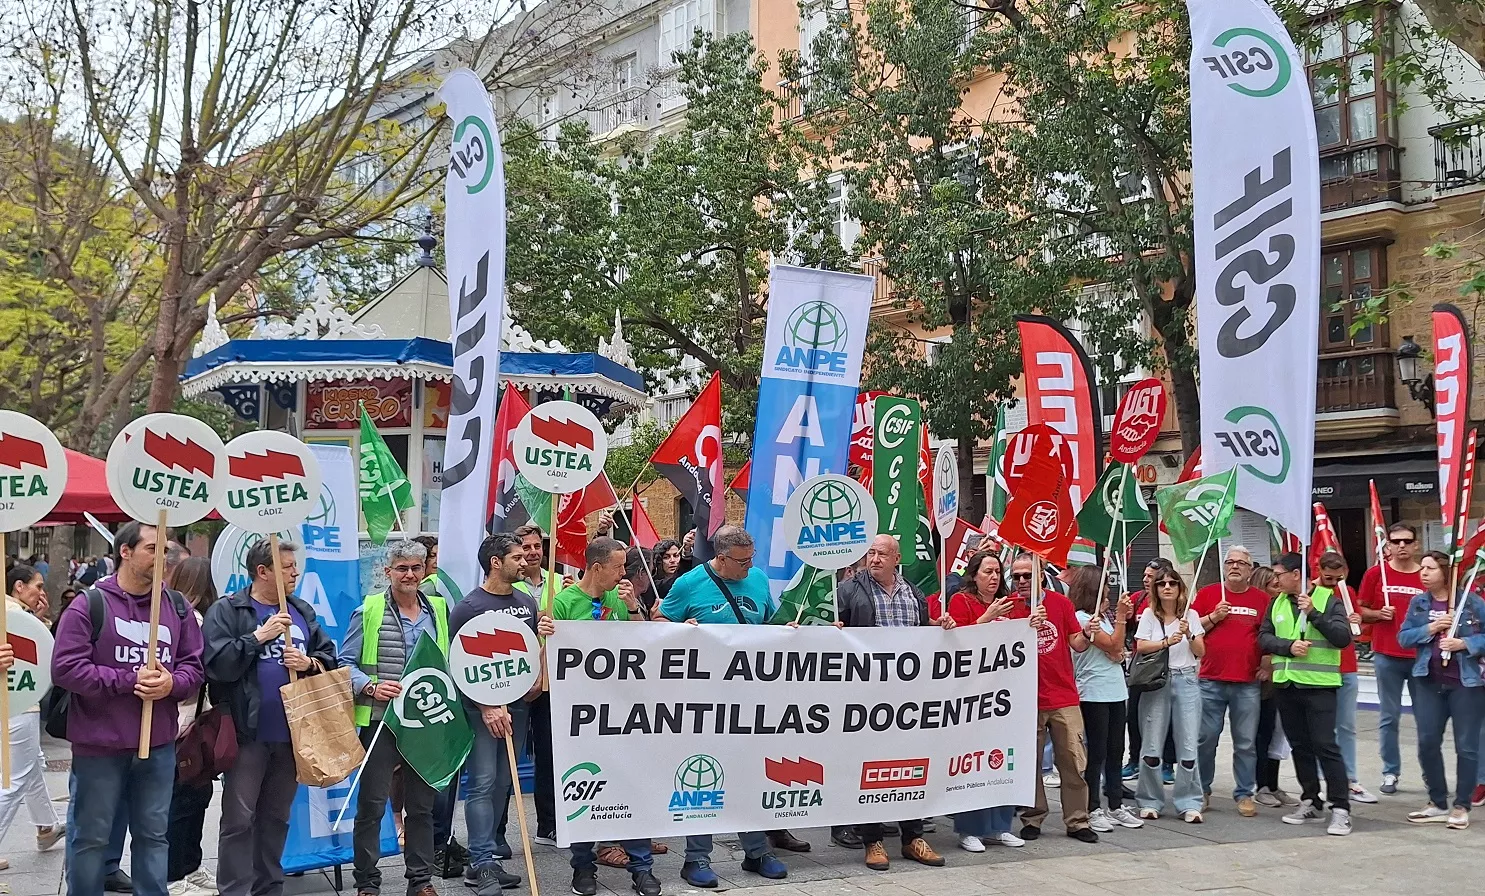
(1458, 154)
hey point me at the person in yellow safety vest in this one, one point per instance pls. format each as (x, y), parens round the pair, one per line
(1305, 634)
(379, 640)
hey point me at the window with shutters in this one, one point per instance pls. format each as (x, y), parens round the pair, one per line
(1355, 111)
(679, 23)
(1356, 366)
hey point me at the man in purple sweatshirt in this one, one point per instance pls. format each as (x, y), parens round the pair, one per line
(109, 682)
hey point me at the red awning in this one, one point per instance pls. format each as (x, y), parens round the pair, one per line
(87, 492)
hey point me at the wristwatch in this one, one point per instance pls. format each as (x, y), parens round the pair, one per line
(370, 689)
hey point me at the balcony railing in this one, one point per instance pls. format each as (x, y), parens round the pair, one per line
(801, 96)
(876, 268)
(612, 112)
(1357, 381)
(1359, 177)
(1458, 154)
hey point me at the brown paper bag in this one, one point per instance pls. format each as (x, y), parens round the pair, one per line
(322, 725)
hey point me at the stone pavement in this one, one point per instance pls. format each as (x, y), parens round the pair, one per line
(1226, 856)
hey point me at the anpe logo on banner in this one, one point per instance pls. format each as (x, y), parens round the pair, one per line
(698, 788)
(1258, 438)
(796, 774)
(815, 336)
(1252, 63)
(890, 774)
(831, 521)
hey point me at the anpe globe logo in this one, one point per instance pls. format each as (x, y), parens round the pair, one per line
(321, 528)
(699, 789)
(831, 520)
(815, 338)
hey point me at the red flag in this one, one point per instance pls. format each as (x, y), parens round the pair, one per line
(956, 547)
(1191, 470)
(1039, 516)
(691, 458)
(507, 513)
(572, 518)
(1451, 384)
(741, 482)
(1059, 392)
(1379, 526)
(641, 530)
(1324, 540)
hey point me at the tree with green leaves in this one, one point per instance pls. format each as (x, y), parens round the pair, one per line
(676, 231)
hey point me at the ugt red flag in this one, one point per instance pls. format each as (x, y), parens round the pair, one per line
(691, 458)
(1451, 385)
(1379, 525)
(1324, 540)
(572, 518)
(507, 513)
(1059, 392)
(743, 480)
(1039, 516)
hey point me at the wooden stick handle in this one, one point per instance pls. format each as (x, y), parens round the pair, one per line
(5, 691)
(510, 755)
(147, 716)
(283, 599)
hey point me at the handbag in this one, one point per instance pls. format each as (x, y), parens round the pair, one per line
(321, 714)
(208, 746)
(1150, 671)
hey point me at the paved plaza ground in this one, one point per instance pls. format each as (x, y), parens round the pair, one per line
(1226, 856)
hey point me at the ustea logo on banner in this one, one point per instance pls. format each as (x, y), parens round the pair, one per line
(698, 788)
(795, 775)
(1249, 62)
(815, 339)
(582, 785)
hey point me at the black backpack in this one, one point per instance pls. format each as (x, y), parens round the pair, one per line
(55, 704)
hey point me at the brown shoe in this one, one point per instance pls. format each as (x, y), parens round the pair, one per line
(614, 857)
(425, 890)
(919, 851)
(1247, 808)
(876, 857)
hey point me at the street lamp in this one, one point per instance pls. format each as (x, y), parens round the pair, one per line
(1420, 388)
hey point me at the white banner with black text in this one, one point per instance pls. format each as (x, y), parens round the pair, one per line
(665, 729)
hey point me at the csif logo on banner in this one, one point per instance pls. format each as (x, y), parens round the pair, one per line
(698, 788)
(895, 426)
(1250, 62)
(428, 699)
(582, 785)
(1239, 334)
(1258, 440)
(472, 158)
(815, 338)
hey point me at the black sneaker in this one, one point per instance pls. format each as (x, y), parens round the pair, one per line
(845, 837)
(585, 882)
(1028, 832)
(118, 882)
(480, 879)
(1087, 835)
(646, 884)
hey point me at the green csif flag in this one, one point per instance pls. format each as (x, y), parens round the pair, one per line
(433, 733)
(1105, 520)
(1196, 513)
(385, 491)
(810, 587)
(999, 494)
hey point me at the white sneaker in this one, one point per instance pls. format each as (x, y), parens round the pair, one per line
(1099, 822)
(1125, 818)
(1304, 813)
(1459, 819)
(971, 843)
(1360, 794)
(544, 841)
(1008, 839)
(1389, 784)
(1340, 823)
(186, 888)
(1051, 779)
(1267, 799)
(204, 880)
(48, 837)
(1429, 813)
(1285, 799)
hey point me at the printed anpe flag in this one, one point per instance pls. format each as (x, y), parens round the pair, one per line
(385, 491)
(1196, 513)
(433, 734)
(691, 458)
(810, 587)
(1105, 519)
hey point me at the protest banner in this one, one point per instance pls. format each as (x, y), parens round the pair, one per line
(1255, 166)
(33, 474)
(747, 728)
(1452, 387)
(812, 353)
(162, 470)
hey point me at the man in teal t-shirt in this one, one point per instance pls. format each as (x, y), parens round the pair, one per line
(698, 594)
(602, 592)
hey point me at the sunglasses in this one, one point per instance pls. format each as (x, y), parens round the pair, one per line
(1020, 576)
(1168, 584)
(1402, 541)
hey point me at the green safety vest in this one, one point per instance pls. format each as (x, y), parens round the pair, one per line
(373, 611)
(1321, 666)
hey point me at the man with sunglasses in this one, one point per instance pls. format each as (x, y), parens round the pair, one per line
(1305, 634)
(725, 590)
(1384, 606)
(1230, 676)
(1059, 707)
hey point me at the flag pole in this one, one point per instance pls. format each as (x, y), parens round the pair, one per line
(356, 778)
(283, 600)
(1108, 553)
(5, 691)
(546, 586)
(1211, 533)
(1379, 524)
(147, 717)
(510, 755)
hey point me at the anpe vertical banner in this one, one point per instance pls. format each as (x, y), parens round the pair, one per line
(896, 427)
(1451, 386)
(811, 371)
(1059, 392)
(331, 583)
(474, 240)
(1256, 217)
(756, 727)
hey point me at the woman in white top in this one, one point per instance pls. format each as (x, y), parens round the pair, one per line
(1169, 624)
(24, 593)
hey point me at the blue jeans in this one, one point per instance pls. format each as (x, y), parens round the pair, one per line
(1433, 707)
(1177, 707)
(1393, 674)
(699, 847)
(99, 786)
(641, 859)
(985, 822)
(489, 782)
(1345, 721)
(1241, 699)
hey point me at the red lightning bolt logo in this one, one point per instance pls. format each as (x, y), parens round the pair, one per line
(561, 432)
(799, 771)
(183, 453)
(268, 465)
(24, 648)
(15, 451)
(487, 644)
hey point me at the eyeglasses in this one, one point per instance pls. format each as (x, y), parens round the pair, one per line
(407, 570)
(743, 561)
(1168, 584)
(1402, 541)
(1238, 562)
(1020, 576)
